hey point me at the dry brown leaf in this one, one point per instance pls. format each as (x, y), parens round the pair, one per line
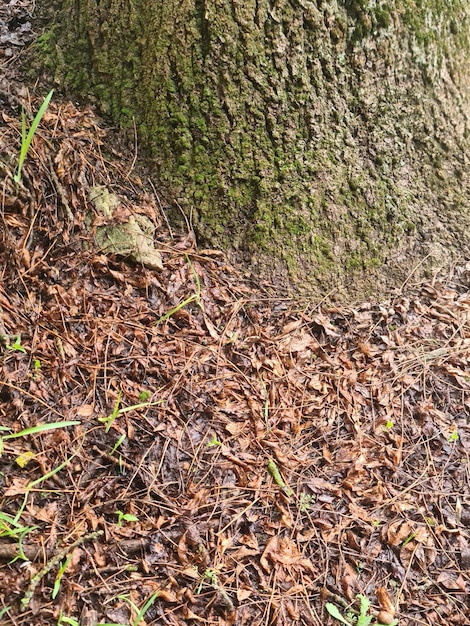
(451, 582)
(385, 602)
(286, 519)
(235, 428)
(349, 581)
(18, 487)
(283, 551)
(297, 343)
(361, 513)
(398, 531)
(289, 327)
(167, 596)
(243, 594)
(324, 322)
(47, 513)
(190, 615)
(243, 552)
(85, 410)
(326, 453)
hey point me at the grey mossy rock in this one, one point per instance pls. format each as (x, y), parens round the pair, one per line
(131, 238)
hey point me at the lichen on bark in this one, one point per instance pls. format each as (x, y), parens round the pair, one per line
(321, 140)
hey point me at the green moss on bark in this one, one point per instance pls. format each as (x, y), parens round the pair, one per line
(319, 139)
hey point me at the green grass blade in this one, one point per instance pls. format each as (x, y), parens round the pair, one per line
(145, 608)
(41, 479)
(26, 139)
(58, 578)
(4, 611)
(39, 429)
(334, 612)
(141, 405)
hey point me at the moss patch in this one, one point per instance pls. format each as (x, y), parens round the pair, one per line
(279, 128)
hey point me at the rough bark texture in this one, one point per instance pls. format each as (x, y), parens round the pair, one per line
(325, 141)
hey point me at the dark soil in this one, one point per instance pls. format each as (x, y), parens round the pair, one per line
(234, 458)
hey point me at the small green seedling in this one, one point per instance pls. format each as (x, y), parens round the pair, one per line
(352, 618)
(60, 573)
(16, 345)
(214, 442)
(144, 396)
(125, 517)
(36, 367)
(139, 612)
(305, 501)
(26, 138)
(453, 437)
(389, 425)
(210, 575)
(63, 619)
(109, 419)
(118, 443)
(11, 528)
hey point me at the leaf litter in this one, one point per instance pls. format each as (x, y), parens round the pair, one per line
(240, 458)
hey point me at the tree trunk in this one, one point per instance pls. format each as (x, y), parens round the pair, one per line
(325, 141)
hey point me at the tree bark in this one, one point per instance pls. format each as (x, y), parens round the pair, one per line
(324, 141)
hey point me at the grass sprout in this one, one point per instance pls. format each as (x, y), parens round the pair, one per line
(195, 297)
(16, 345)
(139, 612)
(11, 528)
(63, 619)
(61, 571)
(214, 442)
(4, 611)
(352, 618)
(117, 411)
(39, 428)
(118, 443)
(33, 484)
(125, 517)
(27, 137)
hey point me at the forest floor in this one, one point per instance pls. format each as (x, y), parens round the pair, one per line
(180, 446)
